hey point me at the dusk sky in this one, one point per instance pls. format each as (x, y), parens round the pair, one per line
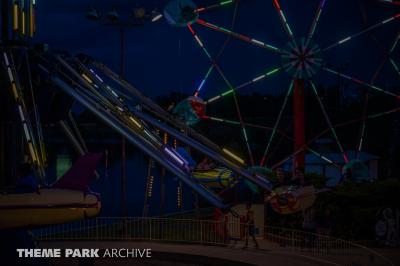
(161, 58)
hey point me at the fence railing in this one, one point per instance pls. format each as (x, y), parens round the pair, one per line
(210, 232)
(132, 228)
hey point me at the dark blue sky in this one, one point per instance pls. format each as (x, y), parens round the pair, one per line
(161, 58)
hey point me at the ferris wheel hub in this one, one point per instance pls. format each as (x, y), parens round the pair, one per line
(301, 58)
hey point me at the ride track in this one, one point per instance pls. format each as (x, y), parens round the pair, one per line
(301, 58)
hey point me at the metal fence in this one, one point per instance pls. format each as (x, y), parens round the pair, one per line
(132, 228)
(210, 232)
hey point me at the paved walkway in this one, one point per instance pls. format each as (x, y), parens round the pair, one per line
(230, 255)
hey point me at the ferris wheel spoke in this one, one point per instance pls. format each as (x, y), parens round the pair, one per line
(197, 92)
(200, 43)
(239, 36)
(315, 21)
(395, 42)
(276, 124)
(202, 83)
(364, 121)
(249, 125)
(395, 66)
(377, 25)
(214, 6)
(239, 114)
(391, 2)
(323, 157)
(391, 50)
(306, 146)
(213, 62)
(232, 90)
(283, 19)
(361, 82)
(392, 111)
(328, 120)
(222, 120)
(362, 137)
(216, 66)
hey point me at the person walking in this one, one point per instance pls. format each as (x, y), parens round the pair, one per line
(250, 227)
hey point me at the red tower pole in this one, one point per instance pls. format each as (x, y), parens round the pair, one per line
(299, 128)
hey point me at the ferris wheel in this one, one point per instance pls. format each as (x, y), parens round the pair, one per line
(302, 60)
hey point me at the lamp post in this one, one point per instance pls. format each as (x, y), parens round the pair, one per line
(112, 19)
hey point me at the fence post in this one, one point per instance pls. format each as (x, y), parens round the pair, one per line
(97, 229)
(293, 241)
(201, 232)
(150, 222)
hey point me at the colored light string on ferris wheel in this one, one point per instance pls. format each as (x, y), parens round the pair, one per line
(391, 2)
(395, 110)
(361, 82)
(244, 131)
(392, 111)
(393, 46)
(233, 122)
(199, 42)
(197, 92)
(379, 24)
(238, 36)
(214, 6)
(395, 42)
(316, 19)
(283, 19)
(387, 57)
(396, 68)
(222, 120)
(232, 90)
(264, 157)
(250, 125)
(328, 120)
(360, 144)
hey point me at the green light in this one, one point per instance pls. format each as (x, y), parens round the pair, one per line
(226, 2)
(223, 29)
(272, 71)
(232, 122)
(227, 92)
(207, 53)
(209, 71)
(394, 44)
(245, 134)
(394, 65)
(272, 47)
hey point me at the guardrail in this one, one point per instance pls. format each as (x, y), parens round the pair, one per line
(132, 228)
(210, 232)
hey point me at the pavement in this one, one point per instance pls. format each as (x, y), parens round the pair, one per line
(189, 254)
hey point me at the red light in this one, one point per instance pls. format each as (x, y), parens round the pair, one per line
(191, 29)
(276, 3)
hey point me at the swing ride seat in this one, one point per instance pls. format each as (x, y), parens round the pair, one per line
(291, 199)
(218, 177)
